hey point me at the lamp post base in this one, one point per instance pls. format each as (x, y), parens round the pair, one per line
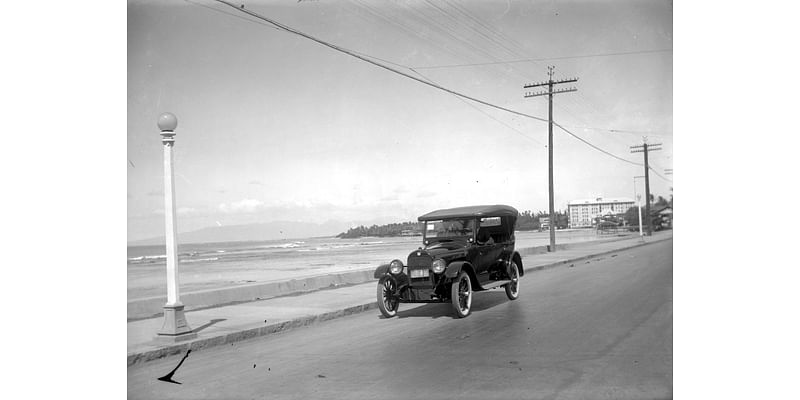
(175, 328)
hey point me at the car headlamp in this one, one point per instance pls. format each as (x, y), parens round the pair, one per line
(395, 267)
(438, 266)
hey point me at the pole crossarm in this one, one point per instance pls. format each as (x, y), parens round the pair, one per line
(553, 92)
(530, 85)
(641, 146)
(640, 149)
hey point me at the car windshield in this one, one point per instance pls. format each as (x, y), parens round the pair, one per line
(449, 228)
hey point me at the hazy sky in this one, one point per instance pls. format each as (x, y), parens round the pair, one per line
(273, 126)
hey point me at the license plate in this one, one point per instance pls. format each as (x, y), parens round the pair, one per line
(419, 273)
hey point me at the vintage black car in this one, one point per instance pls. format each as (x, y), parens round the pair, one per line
(465, 249)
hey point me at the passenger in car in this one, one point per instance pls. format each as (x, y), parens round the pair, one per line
(484, 237)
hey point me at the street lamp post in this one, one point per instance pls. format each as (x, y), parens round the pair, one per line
(175, 327)
(638, 205)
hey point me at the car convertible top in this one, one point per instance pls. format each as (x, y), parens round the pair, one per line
(498, 210)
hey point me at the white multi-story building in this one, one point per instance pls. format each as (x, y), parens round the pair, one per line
(582, 213)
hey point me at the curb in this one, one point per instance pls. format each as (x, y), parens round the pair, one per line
(196, 344)
(138, 358)
(581, 258)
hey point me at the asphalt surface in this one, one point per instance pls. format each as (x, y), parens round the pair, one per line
(599, 329)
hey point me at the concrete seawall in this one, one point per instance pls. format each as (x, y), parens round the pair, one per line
(152, 306)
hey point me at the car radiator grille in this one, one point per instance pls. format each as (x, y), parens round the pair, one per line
(416, 262)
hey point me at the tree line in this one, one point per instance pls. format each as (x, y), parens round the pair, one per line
(526, 221)
(397, 229)
(632, 215)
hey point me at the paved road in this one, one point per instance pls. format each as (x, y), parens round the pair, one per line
(600, 329)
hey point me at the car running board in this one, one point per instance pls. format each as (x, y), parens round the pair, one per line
(494, 284)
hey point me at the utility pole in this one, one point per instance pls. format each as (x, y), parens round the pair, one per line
(550, 94)
(645, 148)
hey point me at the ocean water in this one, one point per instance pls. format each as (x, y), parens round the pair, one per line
(221, 252)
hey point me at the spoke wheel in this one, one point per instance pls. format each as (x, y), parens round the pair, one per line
(387, 300)
(512, 288)
(461, 295)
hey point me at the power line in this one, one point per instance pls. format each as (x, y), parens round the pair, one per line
(504, 38)
(494, 42)
(500, 35)
(544, 59)
(593, 146)
(403, 27)
(488, 115)
(363, 58)
(638, 133)
(231, 14)
(513, 43)
(368, 59)
(659, 175)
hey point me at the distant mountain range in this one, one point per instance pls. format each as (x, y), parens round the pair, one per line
(253, 232)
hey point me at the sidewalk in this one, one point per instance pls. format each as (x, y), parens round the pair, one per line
(232, 323)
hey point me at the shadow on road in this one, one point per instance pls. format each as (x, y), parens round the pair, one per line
(480, 301)
(206, 325)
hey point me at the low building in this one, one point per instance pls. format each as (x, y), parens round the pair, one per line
(583, 213)
(662, 218)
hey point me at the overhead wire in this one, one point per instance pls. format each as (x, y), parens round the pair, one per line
(489, 115)
(575, 100)
(502, 37)
(637, 133)
(411, 30)
(593, 146)
(493, 41)
(446, 30)
(514, 52)
(578, 101)
(659, 175)
(542, 59)
(232, 15)
(514, 43)
(369, 60)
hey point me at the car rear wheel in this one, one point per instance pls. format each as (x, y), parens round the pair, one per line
(461, 295)
(387, 302)
(512, 288)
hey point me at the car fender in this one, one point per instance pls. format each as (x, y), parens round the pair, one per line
(455, 267)
(381, 271)
(517, 259)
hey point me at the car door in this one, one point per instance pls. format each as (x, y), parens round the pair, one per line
(489, 251)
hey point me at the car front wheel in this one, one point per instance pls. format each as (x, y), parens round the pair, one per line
(512, 288)
(461, 295)
(387, 302)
